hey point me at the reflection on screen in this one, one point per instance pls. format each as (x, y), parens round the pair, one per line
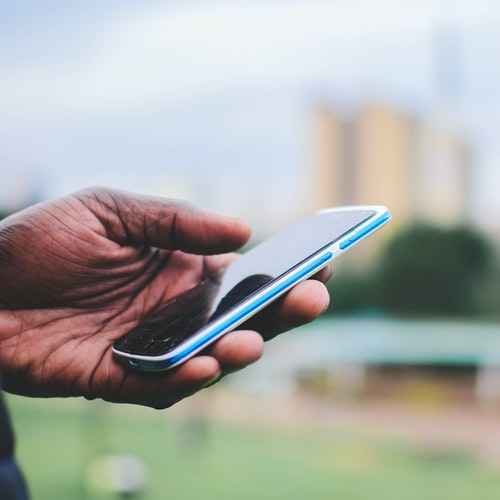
(184, 315)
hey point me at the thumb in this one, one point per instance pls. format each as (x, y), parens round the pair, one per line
(132, 219)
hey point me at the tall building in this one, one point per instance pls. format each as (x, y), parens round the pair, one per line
(443, 172)
(384, 160)
(329, 161)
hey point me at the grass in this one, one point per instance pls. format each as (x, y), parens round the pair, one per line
(58, 441)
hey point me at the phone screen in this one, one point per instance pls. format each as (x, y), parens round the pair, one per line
(188, 313)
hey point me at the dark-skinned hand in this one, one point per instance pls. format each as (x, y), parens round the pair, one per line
(79, 272)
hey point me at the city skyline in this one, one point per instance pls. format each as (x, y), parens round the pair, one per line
(204, 99)
(418, 166)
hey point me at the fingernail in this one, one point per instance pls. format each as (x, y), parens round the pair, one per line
(213, 380)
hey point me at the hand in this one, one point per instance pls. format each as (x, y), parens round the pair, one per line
(79, 272)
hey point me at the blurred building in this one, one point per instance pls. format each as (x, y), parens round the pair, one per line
(381, 155)
(425, 361)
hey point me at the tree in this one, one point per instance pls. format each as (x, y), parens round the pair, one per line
(431, 270)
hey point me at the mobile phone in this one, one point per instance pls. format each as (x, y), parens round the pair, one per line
(195, 319)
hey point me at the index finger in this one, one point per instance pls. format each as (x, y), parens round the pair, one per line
(132, 219)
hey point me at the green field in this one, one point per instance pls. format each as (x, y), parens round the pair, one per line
(59, 442)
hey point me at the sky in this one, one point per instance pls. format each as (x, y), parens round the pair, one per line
(197, 99)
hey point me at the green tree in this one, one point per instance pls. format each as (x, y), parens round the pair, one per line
(431, 270)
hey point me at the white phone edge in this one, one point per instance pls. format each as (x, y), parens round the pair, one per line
(256, 302)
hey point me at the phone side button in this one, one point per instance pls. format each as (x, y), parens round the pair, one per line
(360, 233)
(347, 243)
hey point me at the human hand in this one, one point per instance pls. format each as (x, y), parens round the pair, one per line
(79, 272)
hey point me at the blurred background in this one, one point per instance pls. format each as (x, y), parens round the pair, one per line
(270, 110)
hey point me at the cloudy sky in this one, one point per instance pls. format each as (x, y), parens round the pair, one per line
(170, 97)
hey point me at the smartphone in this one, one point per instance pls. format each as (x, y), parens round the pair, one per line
(195, 319)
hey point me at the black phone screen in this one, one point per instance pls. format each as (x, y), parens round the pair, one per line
(186, 314)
